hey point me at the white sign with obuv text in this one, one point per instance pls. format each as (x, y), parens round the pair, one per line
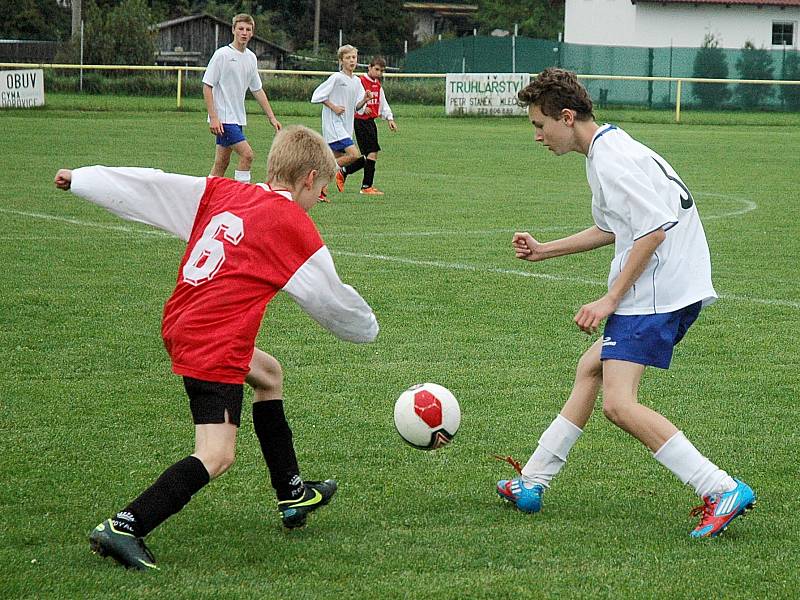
(22, 88)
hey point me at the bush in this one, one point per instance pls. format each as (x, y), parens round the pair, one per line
(754, 63)
(710, 63)
(280, 87)
(791, 72)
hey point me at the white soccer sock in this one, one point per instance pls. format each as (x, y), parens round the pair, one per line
(681, 457)
(243, 176)
(551, 453)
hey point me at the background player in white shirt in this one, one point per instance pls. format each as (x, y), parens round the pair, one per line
(659, 280)
(232, 70)
(341, 95)
(245, 244)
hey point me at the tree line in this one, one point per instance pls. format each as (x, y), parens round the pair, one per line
(377, 26)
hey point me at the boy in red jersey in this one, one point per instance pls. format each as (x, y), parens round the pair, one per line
(365, 129)
(245, 244)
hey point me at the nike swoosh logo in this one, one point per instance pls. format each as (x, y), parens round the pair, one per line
(315, 500)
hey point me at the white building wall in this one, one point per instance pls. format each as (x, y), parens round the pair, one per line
(599, 22)
(652, 25)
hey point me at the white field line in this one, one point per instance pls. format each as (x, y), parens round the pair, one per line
(747, 206)
(545, 276)
(451, 266)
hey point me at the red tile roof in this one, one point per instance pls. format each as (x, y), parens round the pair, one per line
(727, 2)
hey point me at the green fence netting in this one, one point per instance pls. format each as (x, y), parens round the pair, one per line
(478, 54)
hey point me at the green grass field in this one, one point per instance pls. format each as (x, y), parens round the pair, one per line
(90, 413)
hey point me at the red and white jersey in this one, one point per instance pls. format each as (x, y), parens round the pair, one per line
(377, 106)
(245, 244)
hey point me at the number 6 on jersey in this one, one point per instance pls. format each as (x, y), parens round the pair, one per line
(208, 253)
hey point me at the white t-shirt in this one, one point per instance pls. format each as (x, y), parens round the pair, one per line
(343, 91)
(634, 192)
(231, 73)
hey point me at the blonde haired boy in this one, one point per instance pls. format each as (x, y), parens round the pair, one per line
(232, 70)
(341, 95)
(245, 244)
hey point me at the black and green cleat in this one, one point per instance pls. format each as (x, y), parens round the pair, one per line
(127, 549)
(316, 494)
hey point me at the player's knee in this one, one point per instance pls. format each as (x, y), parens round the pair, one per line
(247, 156)
(589, 368)
(218, 461)
(615, 411)
(265, 377)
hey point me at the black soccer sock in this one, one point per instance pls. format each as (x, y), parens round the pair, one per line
(275, 438)
(354, 166)
(369, 173)
(169, 494)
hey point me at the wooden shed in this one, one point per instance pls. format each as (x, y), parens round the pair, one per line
(192, 40)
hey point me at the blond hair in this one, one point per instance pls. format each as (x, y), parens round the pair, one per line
(346, 49)
(295, 152)
(243, 18)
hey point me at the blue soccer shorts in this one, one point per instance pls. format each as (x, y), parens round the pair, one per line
(647, 339)
(341, 145)
(232, 135)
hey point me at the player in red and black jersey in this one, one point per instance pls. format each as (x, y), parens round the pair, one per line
(246, 243)
(364, 126)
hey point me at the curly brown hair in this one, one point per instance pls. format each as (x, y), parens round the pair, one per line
(554, 90)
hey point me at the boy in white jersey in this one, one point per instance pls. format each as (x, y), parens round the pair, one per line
(659, 280)
(341, 96)
(232, 70)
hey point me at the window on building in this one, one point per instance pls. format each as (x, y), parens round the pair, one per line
(782, 33)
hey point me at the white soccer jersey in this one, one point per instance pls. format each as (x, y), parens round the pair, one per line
(634, 192)
(230, 73)
(343, 91)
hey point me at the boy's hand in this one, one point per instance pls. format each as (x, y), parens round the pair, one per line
(63, 179)
(527, 248)
(275, 123)
(215, 126)
(392, 126)
(337, 109)
(590, 315)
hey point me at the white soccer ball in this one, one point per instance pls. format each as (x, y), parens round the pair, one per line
(427, 416)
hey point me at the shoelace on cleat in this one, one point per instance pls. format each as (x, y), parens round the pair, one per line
(705, 511)
(514, 463)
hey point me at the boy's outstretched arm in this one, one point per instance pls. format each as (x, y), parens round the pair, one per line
(165, 200)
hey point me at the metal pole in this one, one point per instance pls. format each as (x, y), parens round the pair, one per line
(180, 75)
(514, 49)
(316, 27)
(678, 101)
(340, 38)
(81, 72)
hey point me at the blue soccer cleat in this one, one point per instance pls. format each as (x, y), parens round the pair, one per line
(526, 496)
(718, 510)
